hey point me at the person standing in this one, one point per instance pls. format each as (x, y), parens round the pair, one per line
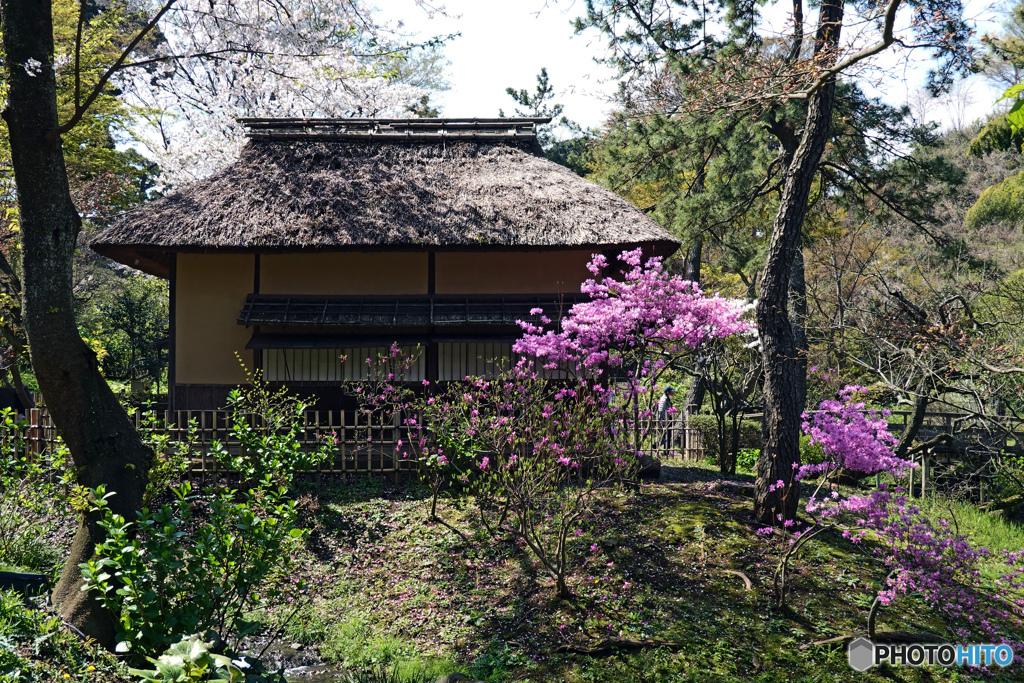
(665, 416)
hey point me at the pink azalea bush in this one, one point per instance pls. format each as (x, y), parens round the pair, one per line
(533, 452)
(931, 558)
(632, 328)
(851, 438)
(647, 309)
(926, 556)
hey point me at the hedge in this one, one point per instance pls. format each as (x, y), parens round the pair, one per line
(750, 433)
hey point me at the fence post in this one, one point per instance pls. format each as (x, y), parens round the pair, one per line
(924, 473)
(34, 429)
(910, 483)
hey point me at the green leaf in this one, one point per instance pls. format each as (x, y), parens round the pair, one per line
(1011, 92)
(1015, 117)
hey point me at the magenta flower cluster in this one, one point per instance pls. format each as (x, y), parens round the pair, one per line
(851, 438)
(647, 307)
(935, 560)
(925, 556)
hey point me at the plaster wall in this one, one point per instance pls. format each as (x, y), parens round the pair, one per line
(343, 273)
(210, 292)
(541, 272)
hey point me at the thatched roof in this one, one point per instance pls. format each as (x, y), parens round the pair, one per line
(383, 186)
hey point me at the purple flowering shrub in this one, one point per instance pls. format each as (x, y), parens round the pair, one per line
(932, 558)
(533, 452)
(412, 421)
(925, 555)
(851, 438)
(632, 328)
(549, 449)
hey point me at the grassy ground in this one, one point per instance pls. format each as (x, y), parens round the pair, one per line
(34, 647)
(389, 587)
(663, 565)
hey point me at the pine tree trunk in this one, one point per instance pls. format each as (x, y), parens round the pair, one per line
(784, 369)
(693, 259)
(797, 321)
(103, 443)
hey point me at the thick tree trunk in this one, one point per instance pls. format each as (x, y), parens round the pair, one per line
(921, 401)
(103, 443)
(693, 259)
(797, 321)
(695, 394)
(784, 372)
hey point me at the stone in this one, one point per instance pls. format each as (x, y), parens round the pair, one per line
(735, 488)
(455, 678)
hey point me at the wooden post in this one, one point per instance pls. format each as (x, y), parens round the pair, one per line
(910, 483)
(924, 473)
(202, 442)
(34, 431)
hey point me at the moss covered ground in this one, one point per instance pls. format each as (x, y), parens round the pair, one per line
(658, 591)
(658, 586)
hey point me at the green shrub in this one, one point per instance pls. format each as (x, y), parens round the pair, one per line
(707, 425)
(996, 136)
(270, 425)
(810, 453)
(32, 487)
(171, 457)
(193, 660)
(36, 648)
(746, 459)
(1002, 203)
(157, 586)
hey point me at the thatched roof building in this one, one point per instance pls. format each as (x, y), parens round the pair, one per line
(366, 184)
(329, 238)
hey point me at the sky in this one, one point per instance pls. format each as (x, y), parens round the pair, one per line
(506, 43)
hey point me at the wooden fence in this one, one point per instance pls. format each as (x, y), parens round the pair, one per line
(359, 448)
(356, 455)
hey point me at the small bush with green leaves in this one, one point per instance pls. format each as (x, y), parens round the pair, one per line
(270, 425)
(746, 459)
(171, 457)
(32, 485)
(193, 659)
(157, 584)
(36, 648)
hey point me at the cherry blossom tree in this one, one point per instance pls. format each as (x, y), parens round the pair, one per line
(296, 58)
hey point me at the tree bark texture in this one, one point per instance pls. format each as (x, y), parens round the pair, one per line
(104, 446)
(784, 372)
(693, 259)
(798, 321)
(921, 401)
(695, 394)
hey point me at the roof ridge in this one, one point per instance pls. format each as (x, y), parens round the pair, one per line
(378, 129)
